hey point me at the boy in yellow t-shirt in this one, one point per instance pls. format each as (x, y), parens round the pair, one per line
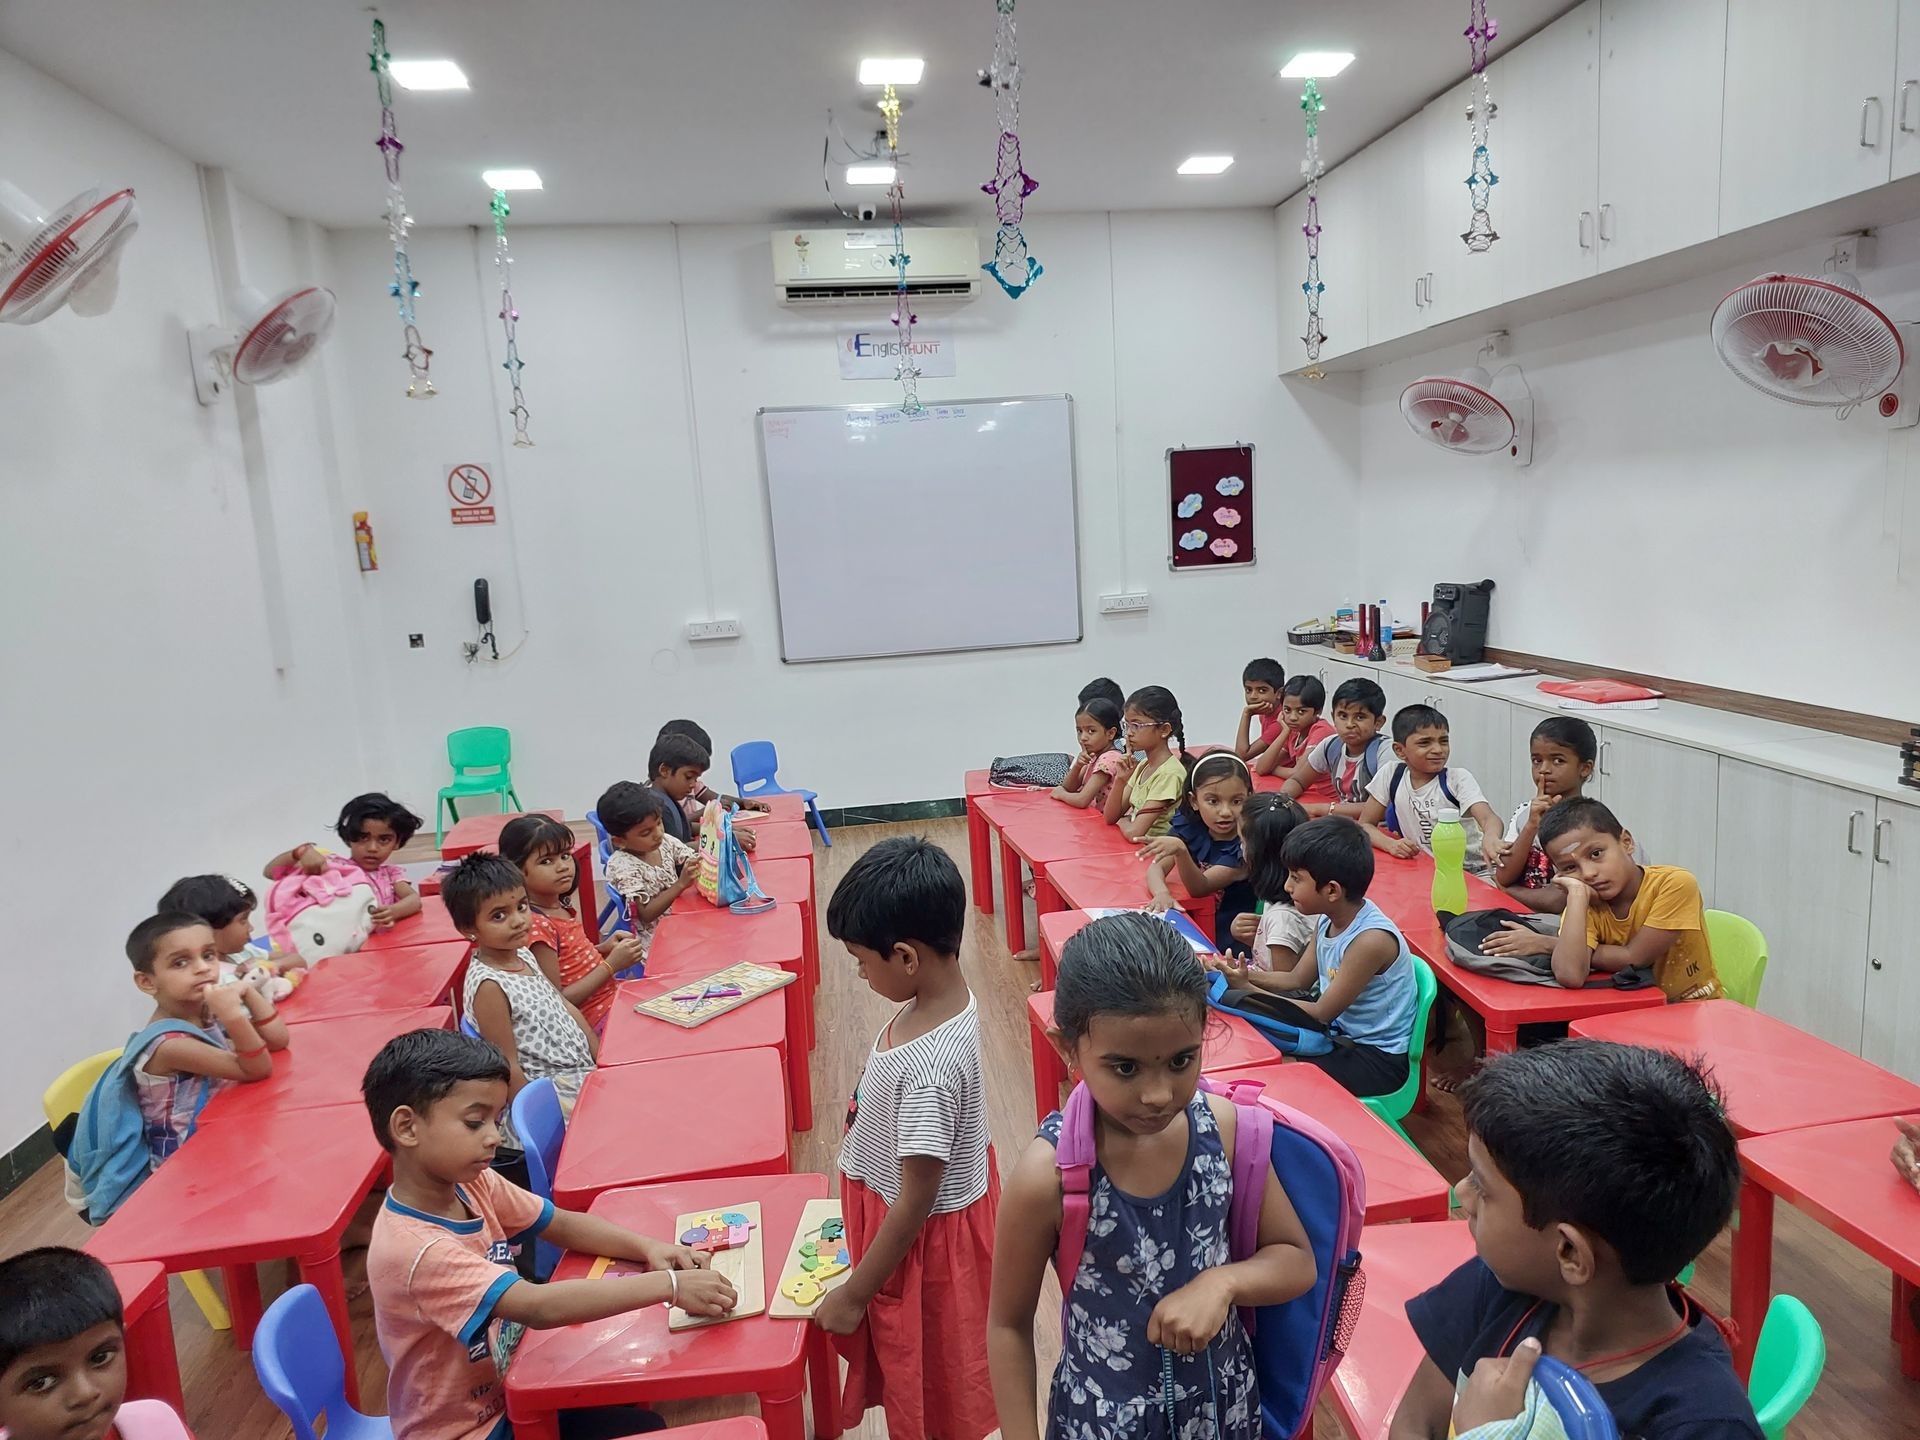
(1619, 914)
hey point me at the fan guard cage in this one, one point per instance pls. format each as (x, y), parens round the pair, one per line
(76, 239)
(284, 336)
(1457, 415)
(1807, 341)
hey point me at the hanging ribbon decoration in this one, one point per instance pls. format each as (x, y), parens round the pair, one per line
(1011, 265)
(1481, 111)
(907, 371)
(509, 317)
(404, 288)
(1310, 106)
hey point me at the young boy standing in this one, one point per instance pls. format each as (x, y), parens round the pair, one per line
(1348, 759)
(1404, 803)
(1261, 683)
(447, 1304)
(1595, 1173)
(1621, 914)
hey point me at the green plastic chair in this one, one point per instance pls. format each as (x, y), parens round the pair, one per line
(480, 748)
(1786, 1364)
(1396, 1107)
(1739, 955)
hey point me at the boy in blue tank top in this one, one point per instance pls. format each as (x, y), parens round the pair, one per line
(1359, 962)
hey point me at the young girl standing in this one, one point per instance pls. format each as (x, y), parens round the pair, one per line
(1203, 845)
(1101, 764)
(541, 848)
(1156, 740)
(918, 1187)
(1155, 1293)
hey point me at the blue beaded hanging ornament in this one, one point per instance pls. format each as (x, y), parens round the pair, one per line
(509, 318)
(404, 288)
(1481, 111)
(907, 370)
(1011, 265)
(1310, 106)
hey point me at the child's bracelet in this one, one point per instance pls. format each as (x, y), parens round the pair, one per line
(673, 1279)
(267, 1018)
(249, 1054)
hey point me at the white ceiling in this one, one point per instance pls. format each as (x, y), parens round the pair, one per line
(712, 110)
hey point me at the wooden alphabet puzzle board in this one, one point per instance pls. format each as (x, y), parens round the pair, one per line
(744, 1265)
(822, 1231)
(691, 1004)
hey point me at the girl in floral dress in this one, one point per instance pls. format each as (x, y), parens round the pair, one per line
(1155, 1296)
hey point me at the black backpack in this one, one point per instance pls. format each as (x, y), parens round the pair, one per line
(1030, 772)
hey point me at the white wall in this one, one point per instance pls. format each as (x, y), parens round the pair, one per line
(147, 731)
(1674, 521)
(619, 544)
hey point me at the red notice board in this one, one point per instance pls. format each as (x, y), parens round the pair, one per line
(1209, 507)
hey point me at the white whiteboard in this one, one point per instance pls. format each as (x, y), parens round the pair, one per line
(902, 534)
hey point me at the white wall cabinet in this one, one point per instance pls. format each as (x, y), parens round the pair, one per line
(1660, 102)
(1810, 104)
(1546, 152)
(1906, 93)
(1396, 279)
(1795, 858)
(1892, 1033)
(1668, 796)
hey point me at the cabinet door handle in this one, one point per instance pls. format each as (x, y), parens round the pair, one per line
(1880, 851)
(1606, 222)
(1417, 301)
(1429, 287)
(1853, 822)
(1586, 222)
(1907, 88)
(1870, 105)
(1876, 965)
(1605, 745)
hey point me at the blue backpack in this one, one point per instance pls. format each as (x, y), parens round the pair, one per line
(1287, 1039)
(108, 1154)
(1333, 747)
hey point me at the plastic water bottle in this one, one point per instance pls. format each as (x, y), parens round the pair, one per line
(1449, 864)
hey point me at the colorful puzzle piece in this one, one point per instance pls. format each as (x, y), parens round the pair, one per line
(722, 1230)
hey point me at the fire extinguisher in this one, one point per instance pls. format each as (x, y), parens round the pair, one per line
(363, 541)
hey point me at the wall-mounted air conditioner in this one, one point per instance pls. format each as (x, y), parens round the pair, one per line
(855, 267)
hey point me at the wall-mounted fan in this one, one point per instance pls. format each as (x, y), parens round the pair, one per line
(273, 340)
(68, 256)
(1474, 412)
(1815, 341)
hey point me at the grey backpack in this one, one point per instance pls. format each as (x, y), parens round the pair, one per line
(1030, 772)
(1466, 933)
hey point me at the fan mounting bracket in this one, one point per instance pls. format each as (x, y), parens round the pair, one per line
(210, 350)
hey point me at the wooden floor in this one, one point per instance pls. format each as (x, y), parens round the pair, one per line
(1862, 1393)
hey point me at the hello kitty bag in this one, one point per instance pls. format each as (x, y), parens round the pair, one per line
(316, 916)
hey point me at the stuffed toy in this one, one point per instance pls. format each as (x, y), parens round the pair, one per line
(317, 916)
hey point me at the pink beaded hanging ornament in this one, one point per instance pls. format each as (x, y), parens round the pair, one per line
(1481, 111)
(1310, 106)
(509, 318)
(404, 288)
(907, 371)
(1011, 265)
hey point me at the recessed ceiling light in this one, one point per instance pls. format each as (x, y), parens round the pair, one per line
(428, 75)
(891, 72)
(512, 179)
(1315, 65)
(869, 174)
(1204, 164)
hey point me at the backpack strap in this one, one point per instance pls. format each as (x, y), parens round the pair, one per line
(1073, 1155)
(1392, 821)
(1252, 1160)
(1447, 790)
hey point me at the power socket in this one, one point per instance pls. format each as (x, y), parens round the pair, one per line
(1125, 602)
(698, 630)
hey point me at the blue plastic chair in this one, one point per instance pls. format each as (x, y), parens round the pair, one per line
(298, 1360)
(467, 1027)
(613, 915)
(754, 767)
(540, 1127)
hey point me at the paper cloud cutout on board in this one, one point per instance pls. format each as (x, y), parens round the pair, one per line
(1225, 547)
(1230, 485)
(1226, 515)
(1193, 539)
(1190, 506)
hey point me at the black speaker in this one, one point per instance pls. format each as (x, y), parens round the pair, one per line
(483, 604)
(1456, 627)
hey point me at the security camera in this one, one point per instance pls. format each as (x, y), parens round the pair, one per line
(868, 211)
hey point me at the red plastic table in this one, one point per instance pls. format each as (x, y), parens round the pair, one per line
(370, 982)
(1056, 929)
(979, 839)
(791, 883)
(776, 838)
(699, 1115)
(482, 832)
(1042, 834)
(1400, 1262)
(759, 1024)
(633, 1359)
(429, 927)
(1401, 1185)
(1404, 890)
(1117, 882)
(321, 1067)
(153, 1368)
(1230, 1044)
(701, 940)
(1838, 1174)
(240, 1192)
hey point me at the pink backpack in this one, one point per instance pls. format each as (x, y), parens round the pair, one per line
(1296, 1345)
(317, 916)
